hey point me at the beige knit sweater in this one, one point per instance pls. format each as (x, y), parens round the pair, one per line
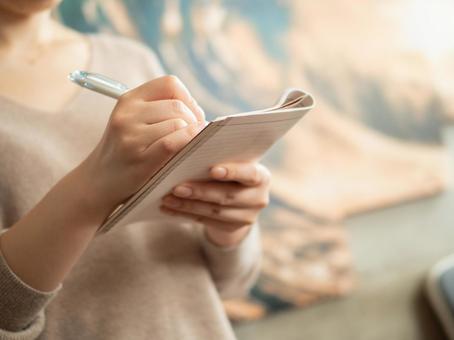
(144, 281)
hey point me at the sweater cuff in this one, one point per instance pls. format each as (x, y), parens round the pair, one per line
(249, 243)
(20, 304)
(234, 269)
(32, 332)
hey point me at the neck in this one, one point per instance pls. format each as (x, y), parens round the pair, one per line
(20, 31)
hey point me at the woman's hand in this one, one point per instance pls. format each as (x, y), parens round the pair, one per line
(228, 205)
(147, 127)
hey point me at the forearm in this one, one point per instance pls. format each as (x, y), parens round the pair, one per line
(42, 247)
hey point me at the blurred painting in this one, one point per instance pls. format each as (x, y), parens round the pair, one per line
(374, 140)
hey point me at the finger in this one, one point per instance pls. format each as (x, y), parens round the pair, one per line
(159, 110)
(224, 193)
(225, 226)
(167, 87)
(250, 174)
(165, 147)
(149, 134)
(211, 210)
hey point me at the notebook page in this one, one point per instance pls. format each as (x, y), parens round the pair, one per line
(233, 139)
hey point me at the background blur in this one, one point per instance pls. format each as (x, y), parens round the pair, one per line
(381, 73)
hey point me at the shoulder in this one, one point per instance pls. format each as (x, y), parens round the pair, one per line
(124, 59)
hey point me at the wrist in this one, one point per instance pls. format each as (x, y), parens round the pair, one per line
(88, 198)
(43, 246)
(226, 239)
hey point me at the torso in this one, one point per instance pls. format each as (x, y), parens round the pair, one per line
(143, 281)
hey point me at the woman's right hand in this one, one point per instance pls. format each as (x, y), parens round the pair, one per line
(147, 127)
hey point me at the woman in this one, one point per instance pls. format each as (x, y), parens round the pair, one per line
(70, 156)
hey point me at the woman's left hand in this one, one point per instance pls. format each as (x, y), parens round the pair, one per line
(228, 205)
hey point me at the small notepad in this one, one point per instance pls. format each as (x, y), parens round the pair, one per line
(235, 138)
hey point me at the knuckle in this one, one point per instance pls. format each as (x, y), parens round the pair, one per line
(222, 200)
(199, 192)
(171, 82)
(117, 122)
(177, 106)
(216, 210)
(196, 191)
(263, 203)
(231, 172)
(227, 199)
(186, 205)
(168, 146)
(190, 133)
(194, 130)
(178, 124)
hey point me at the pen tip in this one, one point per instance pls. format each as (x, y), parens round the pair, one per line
(77, 76)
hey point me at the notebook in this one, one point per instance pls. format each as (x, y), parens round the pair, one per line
(235, 138)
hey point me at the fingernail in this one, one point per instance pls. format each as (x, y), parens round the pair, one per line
(182, 191)
(219, 172)
(172, 202)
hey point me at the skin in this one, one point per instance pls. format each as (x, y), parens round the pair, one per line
(227, 205)
(148, 125)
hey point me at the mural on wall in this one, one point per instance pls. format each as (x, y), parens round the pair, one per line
(374, 139)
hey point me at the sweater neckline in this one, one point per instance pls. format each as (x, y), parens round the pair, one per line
(71, 102)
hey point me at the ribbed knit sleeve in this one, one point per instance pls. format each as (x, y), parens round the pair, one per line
(234, 270)
(21, 306)
(31, 332)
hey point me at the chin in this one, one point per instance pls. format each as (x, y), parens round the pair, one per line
(27, 7)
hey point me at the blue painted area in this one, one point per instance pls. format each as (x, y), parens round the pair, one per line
(271, 22)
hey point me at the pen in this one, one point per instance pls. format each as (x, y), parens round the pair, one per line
(98, 83)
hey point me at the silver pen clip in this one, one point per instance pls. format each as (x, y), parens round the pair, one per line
(99, 83)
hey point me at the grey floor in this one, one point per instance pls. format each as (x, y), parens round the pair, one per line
(393, 249)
